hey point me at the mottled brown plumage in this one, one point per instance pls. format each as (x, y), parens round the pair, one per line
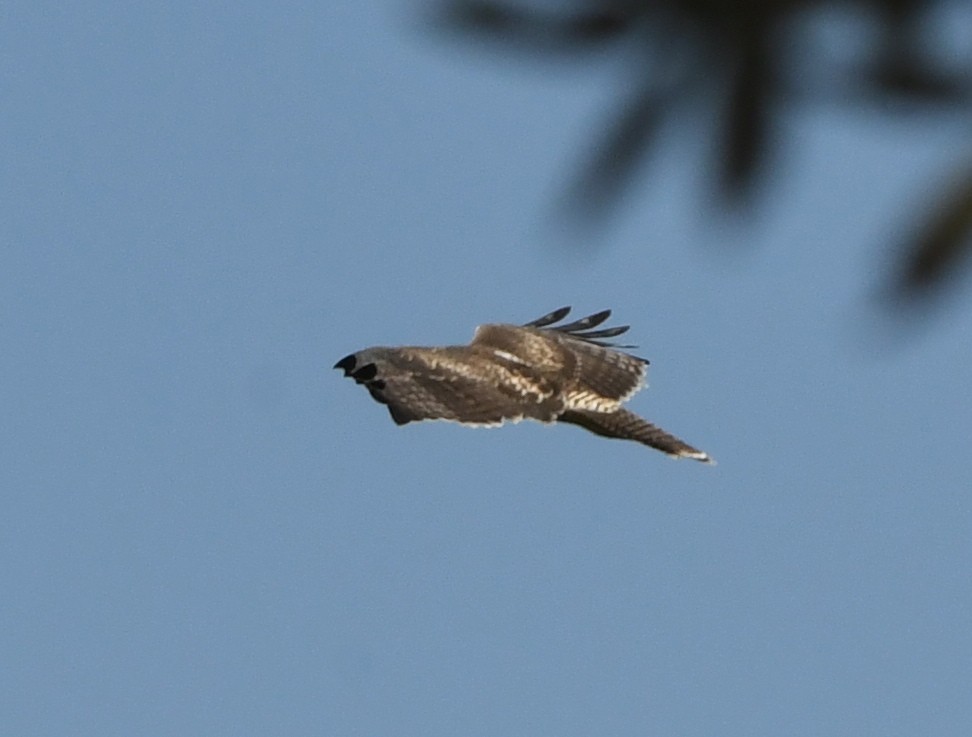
(538, 371)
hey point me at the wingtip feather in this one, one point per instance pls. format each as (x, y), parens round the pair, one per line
(550, 318)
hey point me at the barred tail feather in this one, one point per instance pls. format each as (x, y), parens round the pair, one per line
(629, 426)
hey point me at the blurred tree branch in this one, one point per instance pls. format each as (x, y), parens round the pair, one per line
(746, 57)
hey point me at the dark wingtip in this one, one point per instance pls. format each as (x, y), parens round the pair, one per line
(598, 317)
(549, 318)
(365, 373)
(585, 323)
(347, 363)
(605, 333)
(400, 415)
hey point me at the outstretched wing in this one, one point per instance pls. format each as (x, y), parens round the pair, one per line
(457, 383)
(629, 426)
(602, 376)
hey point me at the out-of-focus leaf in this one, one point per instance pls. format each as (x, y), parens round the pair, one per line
(530, 30)
(711, 52)
(940, 248)
(747, 119)
(615, 160)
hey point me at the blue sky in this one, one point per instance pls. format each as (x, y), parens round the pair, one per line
(206, 531)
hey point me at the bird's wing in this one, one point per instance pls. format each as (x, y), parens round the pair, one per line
(591, 374)
(629, 426)
(603, 375)
(457, 383)
(603, 378)
(528, 350)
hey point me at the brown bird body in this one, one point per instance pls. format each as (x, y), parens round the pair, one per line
(537, 371)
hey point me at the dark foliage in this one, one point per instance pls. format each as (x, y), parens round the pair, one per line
(743, 58)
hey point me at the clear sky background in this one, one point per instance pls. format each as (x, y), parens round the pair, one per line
(206, 531)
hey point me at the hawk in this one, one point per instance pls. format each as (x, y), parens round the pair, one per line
(540, 371)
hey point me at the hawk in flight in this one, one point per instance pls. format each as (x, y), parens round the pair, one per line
(541, 371)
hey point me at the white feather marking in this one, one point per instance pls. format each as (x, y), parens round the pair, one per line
(591, 401)
(486, 424)
(509, 356)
